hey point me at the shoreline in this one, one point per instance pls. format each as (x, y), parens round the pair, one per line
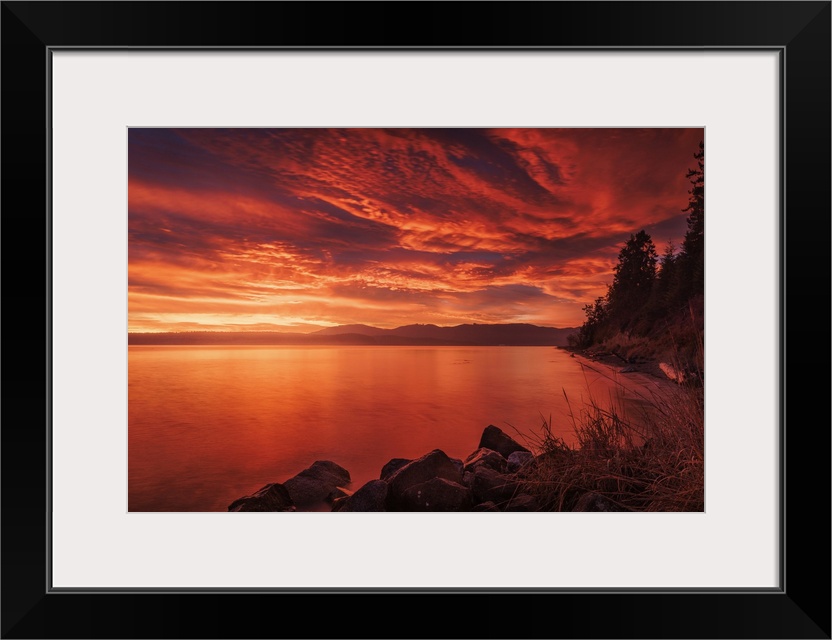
(643, 385)
(648, 374)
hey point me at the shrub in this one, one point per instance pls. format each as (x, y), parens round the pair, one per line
(650, 462)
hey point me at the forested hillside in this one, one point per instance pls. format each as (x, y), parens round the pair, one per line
(654, 306)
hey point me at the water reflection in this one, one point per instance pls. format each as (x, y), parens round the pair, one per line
(210, 424)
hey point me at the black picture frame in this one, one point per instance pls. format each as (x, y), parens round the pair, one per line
(799, 31)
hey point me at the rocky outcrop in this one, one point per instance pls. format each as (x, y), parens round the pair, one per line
(489, 479)
(272, 497)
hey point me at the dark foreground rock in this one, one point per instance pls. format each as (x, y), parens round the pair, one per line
(370, 497)
(432, 465)
(489, 479)
(518, 460)
(496, 439)
(272, 497)
(437, 494)
(317, 483)
(491, 486)
(391, 467)
(487, 458)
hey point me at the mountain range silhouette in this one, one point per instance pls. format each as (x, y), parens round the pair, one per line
(517, 334)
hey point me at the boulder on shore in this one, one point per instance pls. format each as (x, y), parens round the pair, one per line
(317, 483)
(496, 439)
(491, 486)
(485, 457)
(435, 464)
(518, 460)
(391, 467)
(437, 494)
(272, 497)
(370, 497)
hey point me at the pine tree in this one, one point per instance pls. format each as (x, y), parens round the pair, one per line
(632, 283)
(667, 282)
(593, 328)
(692, 259)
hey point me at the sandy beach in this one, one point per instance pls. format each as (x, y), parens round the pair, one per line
(642, 385)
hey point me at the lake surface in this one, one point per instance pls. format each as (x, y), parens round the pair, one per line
(209, 424)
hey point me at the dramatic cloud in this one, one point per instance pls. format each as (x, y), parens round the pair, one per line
(298, 229)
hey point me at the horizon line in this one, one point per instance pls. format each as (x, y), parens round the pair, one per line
(415, 324)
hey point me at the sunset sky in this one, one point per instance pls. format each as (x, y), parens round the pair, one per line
(300, 229)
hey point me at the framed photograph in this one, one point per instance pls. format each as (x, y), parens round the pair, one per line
(378, 297)
(322, 194)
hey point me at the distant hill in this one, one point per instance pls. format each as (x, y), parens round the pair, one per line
(487, 334)
(358, 334)
(361, 329)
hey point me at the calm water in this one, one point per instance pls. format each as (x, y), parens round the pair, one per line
(209, 424)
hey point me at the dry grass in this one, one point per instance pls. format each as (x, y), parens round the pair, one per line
(628, 347)
(653, 461)
(679, 342)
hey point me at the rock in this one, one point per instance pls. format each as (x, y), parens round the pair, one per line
(490, 486)
(486, 457)
(459, 464)
(336, 494)
(432, 465)
(315, 484)
(518, 460)
(307, 491)
(371, 497)
(391, 467)
(594, 502)
(322, 467)
(272, 497)
(672, 372)
(494, 438)
(485, 506)
(437, 494)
